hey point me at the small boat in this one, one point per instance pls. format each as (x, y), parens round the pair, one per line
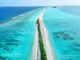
(54, 6)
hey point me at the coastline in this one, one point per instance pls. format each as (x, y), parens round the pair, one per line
(35, 55)
(46, 42)
(35, 50)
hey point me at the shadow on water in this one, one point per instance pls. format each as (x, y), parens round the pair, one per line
(68, 37)
(8, 43)
(63, 35)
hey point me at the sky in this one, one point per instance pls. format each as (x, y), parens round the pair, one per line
(38, 2)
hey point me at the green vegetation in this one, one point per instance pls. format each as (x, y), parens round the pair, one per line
(41, 45)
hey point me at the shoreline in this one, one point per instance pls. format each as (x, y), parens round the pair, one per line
(35, 55)
(46, 42)
(35, 49)
(48, 49)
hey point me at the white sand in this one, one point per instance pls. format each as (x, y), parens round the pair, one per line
(46, 42)
(36, 50)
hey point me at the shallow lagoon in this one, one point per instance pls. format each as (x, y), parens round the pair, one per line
(64, 33)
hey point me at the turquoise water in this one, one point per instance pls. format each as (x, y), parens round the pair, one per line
(70, 9)
(64, 33)
(17, 37)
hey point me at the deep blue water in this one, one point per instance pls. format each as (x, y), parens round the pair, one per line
(63, 25)
(8, 12)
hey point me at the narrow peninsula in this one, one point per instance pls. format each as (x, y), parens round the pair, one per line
(41, 45)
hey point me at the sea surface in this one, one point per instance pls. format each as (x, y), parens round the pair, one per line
(17, 32)
(63, 25)
(8, 12)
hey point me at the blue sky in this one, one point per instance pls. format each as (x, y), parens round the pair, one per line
(38, 2)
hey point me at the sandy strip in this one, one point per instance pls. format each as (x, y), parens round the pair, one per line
(46, 42)
(36, 50)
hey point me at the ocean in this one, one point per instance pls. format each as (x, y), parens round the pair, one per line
(8, 12)
(17, 32)
(63, 25)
